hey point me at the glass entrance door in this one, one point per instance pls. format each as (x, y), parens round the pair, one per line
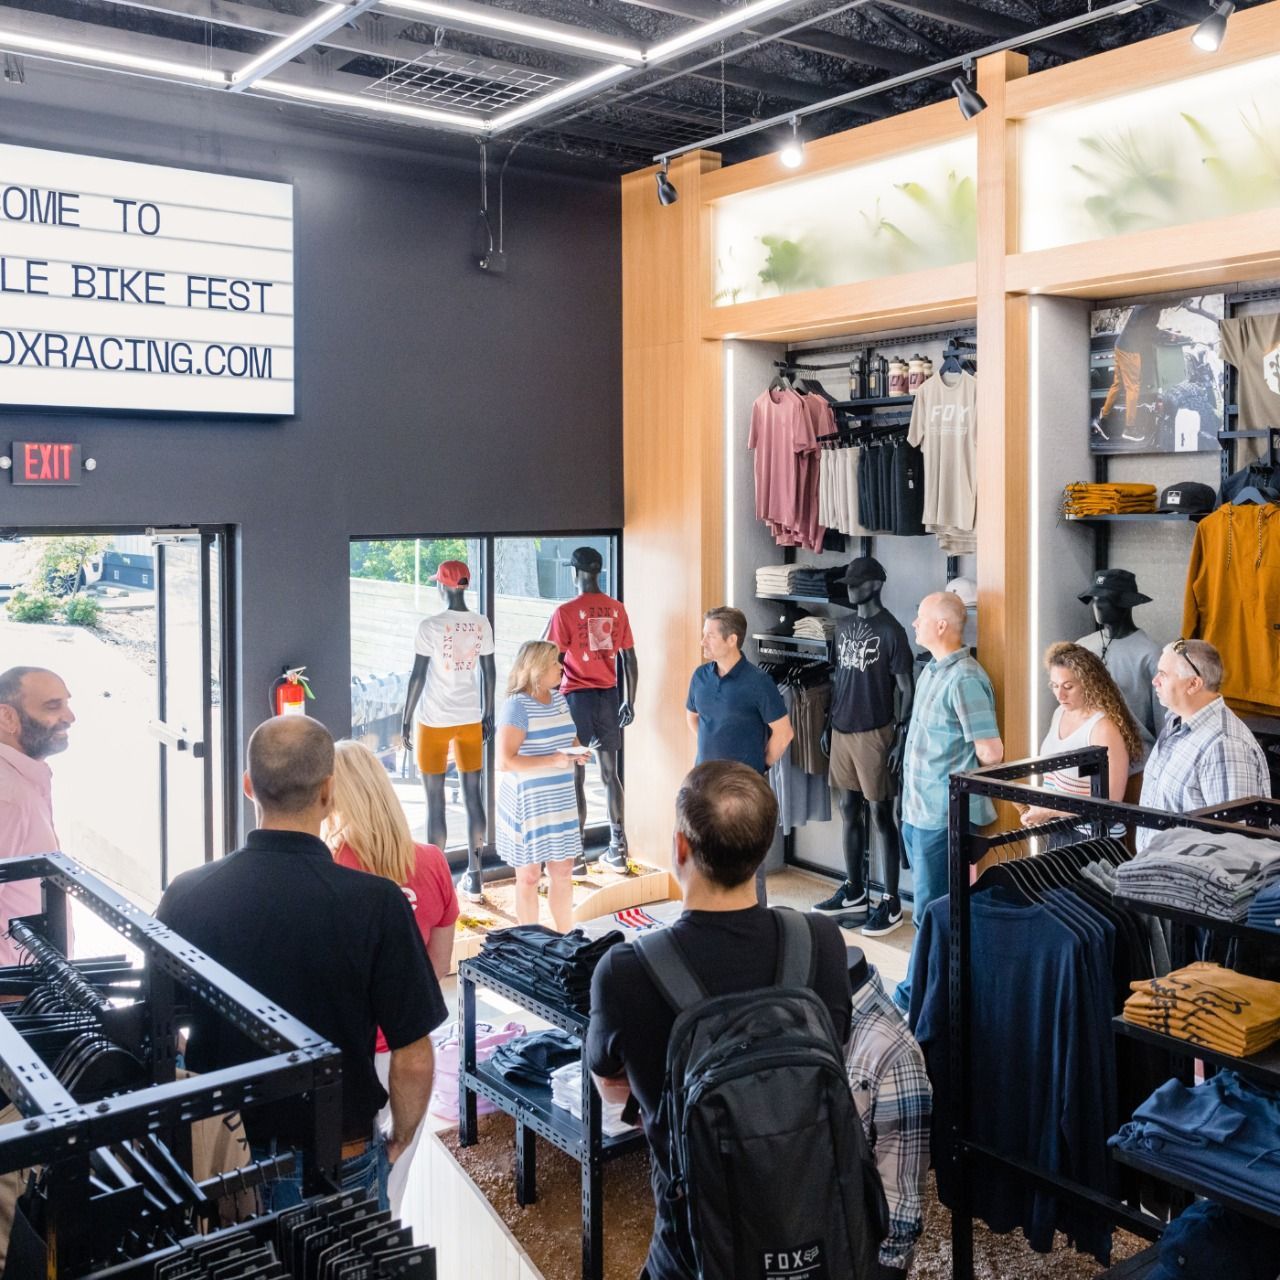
(187, 725)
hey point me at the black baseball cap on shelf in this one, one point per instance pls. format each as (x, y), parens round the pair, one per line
(1116, 584)
(863, 569)
(587, 558)
(1189, 496)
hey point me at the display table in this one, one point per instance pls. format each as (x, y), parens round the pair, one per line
(532, 1108)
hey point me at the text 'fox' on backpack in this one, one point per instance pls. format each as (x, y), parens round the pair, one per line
(769, 1169)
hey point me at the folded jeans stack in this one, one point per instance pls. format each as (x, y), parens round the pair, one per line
(1109, 499)
(1209, 1005)
(1215, 874)
(533, 1059)
(566, 1093)
(559, 965)
(1264, 910)
(1224, 1134)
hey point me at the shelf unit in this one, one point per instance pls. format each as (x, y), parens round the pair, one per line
(1185, 1182)
(1263, 1068)
(532, 1109)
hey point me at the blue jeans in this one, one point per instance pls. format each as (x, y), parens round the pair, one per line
(927, 853)
(366, 1172)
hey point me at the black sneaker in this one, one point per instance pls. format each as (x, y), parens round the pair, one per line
(842, 902)
(615, 859)
(471, 887)
(884, 919)
(579, 866)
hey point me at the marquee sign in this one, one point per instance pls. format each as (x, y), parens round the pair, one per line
(137, 287)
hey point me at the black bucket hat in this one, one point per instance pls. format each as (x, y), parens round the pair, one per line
(1117, 584)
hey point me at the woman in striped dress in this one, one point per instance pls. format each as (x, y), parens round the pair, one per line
(538, 751)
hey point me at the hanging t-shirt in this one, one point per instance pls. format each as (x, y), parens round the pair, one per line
(1252, 344)
(944, 426)
(869, 653)
(590, 631)
(455, 641)
(781, 431)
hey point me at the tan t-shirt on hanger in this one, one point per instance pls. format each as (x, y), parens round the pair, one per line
(944, 428)
(1252, 344)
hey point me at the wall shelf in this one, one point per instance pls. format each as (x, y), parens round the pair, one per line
(1138, 516)
(1263, 1066)
(802, 642)
(875, 402)
(797, 599)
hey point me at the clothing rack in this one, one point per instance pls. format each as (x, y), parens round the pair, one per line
(60, 1133)
(965, 848)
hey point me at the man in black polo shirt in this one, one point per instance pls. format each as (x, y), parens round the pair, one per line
(733, 708)
(725, 816)
(338, 949)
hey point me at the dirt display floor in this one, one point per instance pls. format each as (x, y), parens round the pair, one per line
(550, 1230)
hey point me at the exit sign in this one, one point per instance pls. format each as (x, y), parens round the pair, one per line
(45, 462)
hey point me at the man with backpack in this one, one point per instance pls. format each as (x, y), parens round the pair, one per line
(727, 1030)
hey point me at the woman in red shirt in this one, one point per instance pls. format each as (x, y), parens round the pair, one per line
(368, 831)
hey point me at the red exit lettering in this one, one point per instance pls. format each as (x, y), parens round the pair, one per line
(46, 462)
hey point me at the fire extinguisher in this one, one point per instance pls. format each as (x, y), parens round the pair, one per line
(290, 692)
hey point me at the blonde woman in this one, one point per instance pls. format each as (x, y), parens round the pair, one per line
(368, 831)
(1090, 713)
(538, 750)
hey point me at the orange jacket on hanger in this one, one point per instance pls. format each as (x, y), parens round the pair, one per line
(1233, 599)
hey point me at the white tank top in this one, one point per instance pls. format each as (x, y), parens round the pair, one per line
(1068, 780)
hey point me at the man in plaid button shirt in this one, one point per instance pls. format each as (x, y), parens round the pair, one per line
(1204, 755)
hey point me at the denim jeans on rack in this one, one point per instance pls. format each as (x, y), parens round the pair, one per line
(366, 1172)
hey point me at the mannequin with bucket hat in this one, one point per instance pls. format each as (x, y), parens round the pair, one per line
(1128, 653)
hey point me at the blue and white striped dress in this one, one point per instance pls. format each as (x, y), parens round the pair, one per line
(538, 812)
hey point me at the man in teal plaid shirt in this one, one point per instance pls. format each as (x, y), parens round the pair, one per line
(953, 729)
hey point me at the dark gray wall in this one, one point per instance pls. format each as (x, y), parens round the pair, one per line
(431, 398)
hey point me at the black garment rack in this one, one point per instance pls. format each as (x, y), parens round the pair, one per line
(965, 846)
(59, 1133)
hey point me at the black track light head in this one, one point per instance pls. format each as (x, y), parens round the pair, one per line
(970, 101)
(1210, 34)
(667, 193)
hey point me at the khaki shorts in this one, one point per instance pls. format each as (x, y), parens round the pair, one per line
(860, 761)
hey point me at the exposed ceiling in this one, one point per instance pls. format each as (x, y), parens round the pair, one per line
(594, 79)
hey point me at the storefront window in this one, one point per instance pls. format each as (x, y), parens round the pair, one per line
(392, 591)
(906, 213)
(1201, 148)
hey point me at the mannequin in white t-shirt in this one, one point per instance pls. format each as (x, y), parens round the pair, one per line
(451, 692)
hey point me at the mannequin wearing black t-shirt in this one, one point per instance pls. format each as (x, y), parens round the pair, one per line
(873, 687)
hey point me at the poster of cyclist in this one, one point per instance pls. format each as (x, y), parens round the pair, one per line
(1155, 376)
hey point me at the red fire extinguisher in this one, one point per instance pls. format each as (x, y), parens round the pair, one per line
(290, 692)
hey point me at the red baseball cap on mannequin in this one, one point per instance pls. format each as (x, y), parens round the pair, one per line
(452, 574)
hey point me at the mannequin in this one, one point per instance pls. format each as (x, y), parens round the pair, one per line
(1128, 653)
(453, 679)
(872, 692)
(594, 637)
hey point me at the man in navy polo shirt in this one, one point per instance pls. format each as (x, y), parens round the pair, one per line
(733, 708)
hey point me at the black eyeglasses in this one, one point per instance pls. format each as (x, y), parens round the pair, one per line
(1180, 648)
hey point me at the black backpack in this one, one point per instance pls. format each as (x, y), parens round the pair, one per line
(770, 1177)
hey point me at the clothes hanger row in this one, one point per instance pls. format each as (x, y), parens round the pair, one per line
(1035, 873)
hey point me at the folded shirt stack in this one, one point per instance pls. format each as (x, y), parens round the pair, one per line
(566, 1093)
(1264, 910)
(1223, 1134)
(1109, 499)
(816, 628)
(791, 580)
(533, 1059)
(1209, 1005)
(1212, 873)
(558, 965)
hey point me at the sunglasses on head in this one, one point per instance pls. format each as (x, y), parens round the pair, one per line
(1180, 648)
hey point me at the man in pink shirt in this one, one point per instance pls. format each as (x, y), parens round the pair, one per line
(35, 714)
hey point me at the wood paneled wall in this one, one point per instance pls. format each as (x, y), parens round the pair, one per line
(673, 483)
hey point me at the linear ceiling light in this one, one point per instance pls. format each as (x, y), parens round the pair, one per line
(574, 89)
(557, 35)
(382, 106)
(69, 51)
(328, 20)
(707, 31)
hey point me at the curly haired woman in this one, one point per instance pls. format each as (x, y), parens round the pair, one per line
(1091, 713)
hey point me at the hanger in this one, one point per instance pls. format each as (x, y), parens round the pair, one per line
(951, 360)
(781, 381)
(1253, 495)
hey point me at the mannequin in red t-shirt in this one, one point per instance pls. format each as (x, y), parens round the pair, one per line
(593, 634)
